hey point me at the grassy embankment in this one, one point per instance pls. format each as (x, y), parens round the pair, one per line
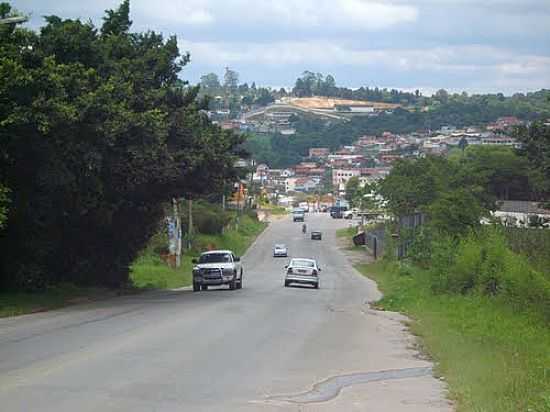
(275, 210)
(494, 353)
(150, 271)
(20, 303)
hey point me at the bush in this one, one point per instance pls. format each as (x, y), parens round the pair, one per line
(210, 221)
(482, 263)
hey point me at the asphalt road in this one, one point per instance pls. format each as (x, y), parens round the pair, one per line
(262, 348)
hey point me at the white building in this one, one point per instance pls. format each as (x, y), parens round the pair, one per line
(341, 176)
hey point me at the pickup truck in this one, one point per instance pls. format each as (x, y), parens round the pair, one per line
(215, 268)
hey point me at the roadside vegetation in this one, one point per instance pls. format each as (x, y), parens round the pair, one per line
(478, 294)
(346, 232)
(20, 303)
(493, 355)
(214, 229)
(98, 134)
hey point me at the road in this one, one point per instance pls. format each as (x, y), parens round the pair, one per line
(262, 348)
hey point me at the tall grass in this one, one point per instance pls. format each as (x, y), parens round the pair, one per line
(482, 263)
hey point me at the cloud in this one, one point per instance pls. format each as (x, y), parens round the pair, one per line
(479, 67)
(364, 14)
(436, 43)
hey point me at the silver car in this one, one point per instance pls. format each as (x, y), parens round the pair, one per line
(280, 250)
(302, 271)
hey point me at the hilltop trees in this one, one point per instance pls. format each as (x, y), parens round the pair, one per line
(97, 132)
(536, 149)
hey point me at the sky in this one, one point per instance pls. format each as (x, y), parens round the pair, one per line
(477, 46)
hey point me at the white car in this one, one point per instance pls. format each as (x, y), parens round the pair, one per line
(302, 271)
(217, 267)
(280, 250)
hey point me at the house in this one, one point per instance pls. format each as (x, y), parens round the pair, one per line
(319, 152)
(305, 184)
(521, 213)
(500, 141)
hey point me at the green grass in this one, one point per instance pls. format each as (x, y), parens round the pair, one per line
(14, 304)
(494, 358)
(275, 210)
(346, 232)
(149, 270)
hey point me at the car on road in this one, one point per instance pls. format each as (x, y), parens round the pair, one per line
(280, 250)
(316, 235)
(348, 214)
(302, 271)
(298, 215)
(215, 268)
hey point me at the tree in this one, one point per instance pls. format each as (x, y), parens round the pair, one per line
(4, 204)
(455, 213)
(118, 21)
(97, 134)
(210, 83)
(353, 186)
(536, 149)
(442, 96)
(230, 81)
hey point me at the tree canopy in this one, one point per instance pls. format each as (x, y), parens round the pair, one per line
(97, 133)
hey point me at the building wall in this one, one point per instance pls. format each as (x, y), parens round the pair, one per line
(343, 175)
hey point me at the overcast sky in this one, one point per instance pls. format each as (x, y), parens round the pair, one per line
(472, 45)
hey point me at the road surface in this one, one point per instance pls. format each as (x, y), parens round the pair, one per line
(262, 348)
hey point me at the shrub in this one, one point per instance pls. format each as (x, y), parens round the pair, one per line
(482, 263)
(443, 258)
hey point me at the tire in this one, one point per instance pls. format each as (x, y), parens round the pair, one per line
(286, 284)
(240, 283)
(196, 287)
(316, 286)
(233, 284)
(204, 287)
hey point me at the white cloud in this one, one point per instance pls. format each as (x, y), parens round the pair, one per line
(302, 14)
(487, 65)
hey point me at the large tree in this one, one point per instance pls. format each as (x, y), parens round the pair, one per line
(536, 149)
(97, 133)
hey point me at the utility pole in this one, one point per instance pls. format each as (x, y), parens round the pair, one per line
(190, 223)
(178, 233)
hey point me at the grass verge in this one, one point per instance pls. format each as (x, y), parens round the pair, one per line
(275, 210)
(494, 358)
(14, 304)
(150, 271)
(348, 232)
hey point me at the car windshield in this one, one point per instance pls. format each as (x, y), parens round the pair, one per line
(280, 246)
(215, 258)
(303, 263)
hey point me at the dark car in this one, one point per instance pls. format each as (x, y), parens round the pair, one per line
(316, 235)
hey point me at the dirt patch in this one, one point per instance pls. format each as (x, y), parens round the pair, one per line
(357, 255)
(327, 103)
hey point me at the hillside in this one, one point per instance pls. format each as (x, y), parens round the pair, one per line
(329, 103)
